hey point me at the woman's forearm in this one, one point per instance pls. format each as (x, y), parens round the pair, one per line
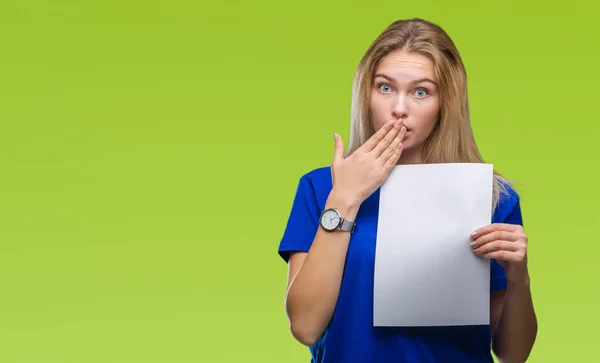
(517, 328)
(313, 292)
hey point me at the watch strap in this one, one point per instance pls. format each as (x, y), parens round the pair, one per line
(347, 226)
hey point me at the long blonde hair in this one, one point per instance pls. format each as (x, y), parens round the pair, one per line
(452, 139)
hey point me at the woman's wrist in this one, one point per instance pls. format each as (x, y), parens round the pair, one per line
(345, 203)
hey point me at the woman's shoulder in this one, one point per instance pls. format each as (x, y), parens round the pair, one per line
(316, 184)
(508, 193)
(509, 202)
(317, 176)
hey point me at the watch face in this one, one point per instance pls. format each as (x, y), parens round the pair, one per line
(330, 220)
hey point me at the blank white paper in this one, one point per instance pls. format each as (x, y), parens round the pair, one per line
(426, 273)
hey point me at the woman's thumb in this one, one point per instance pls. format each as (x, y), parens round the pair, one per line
(338, 153)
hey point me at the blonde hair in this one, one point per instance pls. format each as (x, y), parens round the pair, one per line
(452, 139)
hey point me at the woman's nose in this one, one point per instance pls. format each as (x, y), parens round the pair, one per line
(400, 109)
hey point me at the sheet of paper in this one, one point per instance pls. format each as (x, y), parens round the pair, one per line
(425, 271)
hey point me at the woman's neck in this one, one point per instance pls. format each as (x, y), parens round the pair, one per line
(410, 157)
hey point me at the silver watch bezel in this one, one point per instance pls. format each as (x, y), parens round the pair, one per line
(341, 223)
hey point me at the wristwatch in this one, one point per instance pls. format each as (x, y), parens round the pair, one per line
(331, 220)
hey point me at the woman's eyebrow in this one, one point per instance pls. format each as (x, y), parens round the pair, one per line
(420, 80)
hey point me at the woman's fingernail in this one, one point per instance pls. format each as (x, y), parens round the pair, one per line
(474, 234)
(403, 129)
(400, 146)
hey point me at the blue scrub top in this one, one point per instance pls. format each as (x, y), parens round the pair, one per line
(351, 336)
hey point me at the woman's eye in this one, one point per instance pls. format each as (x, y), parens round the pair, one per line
(384, 87)
(421, 92)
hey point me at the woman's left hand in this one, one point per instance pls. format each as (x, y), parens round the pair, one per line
(505, 243)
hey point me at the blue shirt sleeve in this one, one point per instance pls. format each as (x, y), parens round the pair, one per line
(303, 221)
(498, 281)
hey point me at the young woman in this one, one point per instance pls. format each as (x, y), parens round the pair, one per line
(409, 106)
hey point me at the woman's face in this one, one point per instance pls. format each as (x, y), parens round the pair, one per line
(405, 88)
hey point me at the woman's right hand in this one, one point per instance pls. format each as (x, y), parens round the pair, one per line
(356, 177)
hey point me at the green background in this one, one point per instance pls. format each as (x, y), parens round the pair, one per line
(150, 153)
